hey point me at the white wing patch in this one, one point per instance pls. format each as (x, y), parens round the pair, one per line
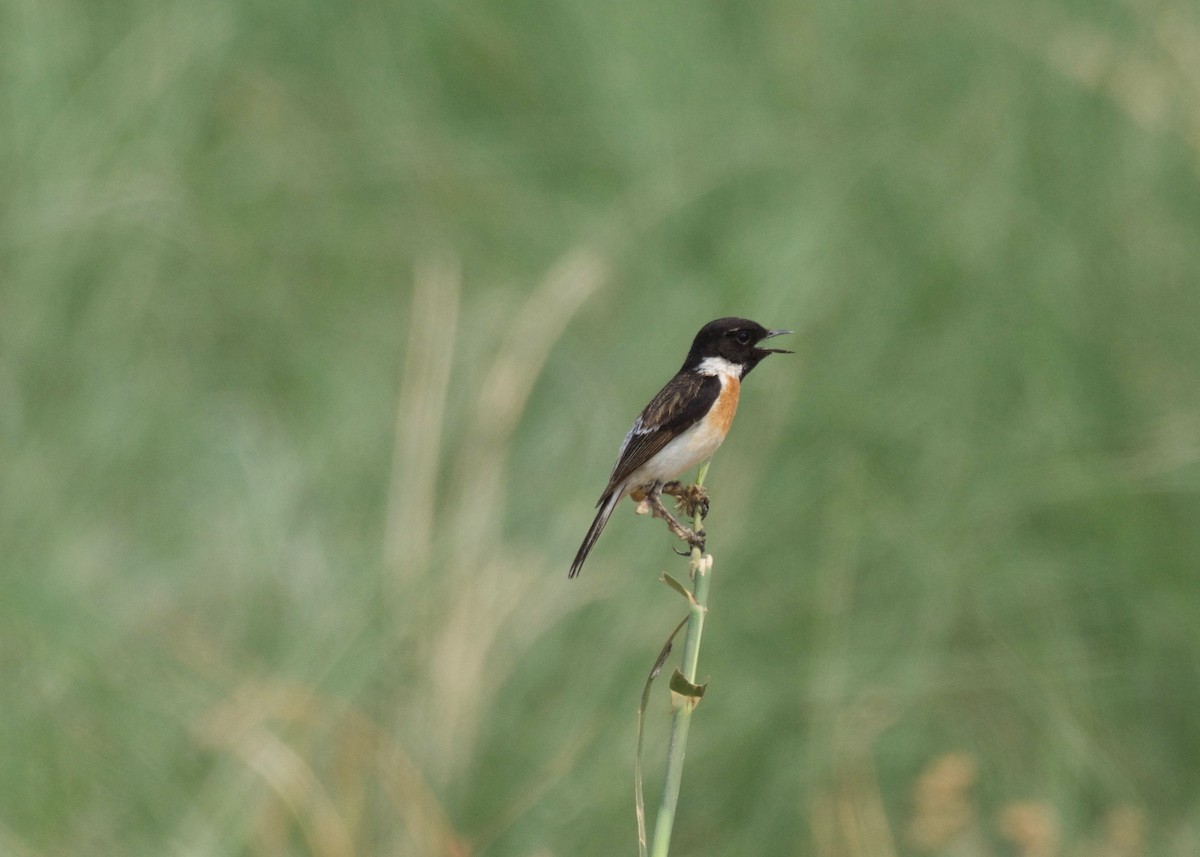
(638, 428)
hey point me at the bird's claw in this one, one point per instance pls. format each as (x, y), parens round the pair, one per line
(690, 499)
(694, 538)
(653, 504)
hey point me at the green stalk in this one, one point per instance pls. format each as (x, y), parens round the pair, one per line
(684, 703)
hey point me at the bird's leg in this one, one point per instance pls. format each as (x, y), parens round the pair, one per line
(689, 498)
(654, 502)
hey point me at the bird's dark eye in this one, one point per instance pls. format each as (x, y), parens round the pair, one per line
(742, 336)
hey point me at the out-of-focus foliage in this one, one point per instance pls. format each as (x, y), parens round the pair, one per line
(320, 325)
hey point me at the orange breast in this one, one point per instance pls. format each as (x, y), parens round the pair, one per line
(726, 404)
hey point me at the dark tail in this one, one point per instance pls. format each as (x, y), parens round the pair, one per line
(607, 504)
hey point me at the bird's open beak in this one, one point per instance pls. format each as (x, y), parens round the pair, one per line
(771, 333)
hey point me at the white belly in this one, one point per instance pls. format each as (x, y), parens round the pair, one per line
(696, 445)
(683, 453)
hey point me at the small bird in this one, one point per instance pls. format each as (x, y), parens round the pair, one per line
(683, 425)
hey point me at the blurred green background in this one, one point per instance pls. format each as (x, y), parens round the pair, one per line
(320, 325)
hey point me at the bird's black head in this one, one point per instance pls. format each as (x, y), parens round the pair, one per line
(733, 340)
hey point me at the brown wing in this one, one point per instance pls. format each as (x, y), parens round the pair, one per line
(677, 407)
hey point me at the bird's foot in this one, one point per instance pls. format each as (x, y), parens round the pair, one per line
(653, 504)
(689, 499)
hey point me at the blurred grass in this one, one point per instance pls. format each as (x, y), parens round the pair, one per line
(319, 327)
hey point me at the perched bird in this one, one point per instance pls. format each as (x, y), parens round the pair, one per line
(683, 425)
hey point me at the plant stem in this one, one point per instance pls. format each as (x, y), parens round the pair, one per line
(701, 569)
